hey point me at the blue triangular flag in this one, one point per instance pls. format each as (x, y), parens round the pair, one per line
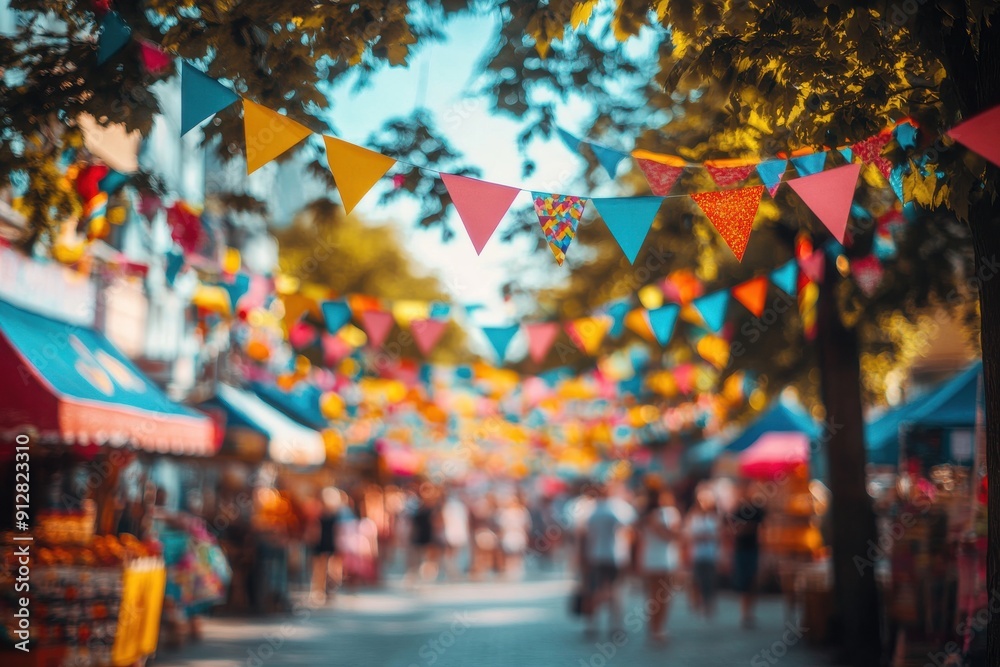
(617, 310)
(786, 278)
(713, 309)
(114, 35)
(809, 164)
(175, 261)
(896, 180)
(662, 322)
(237, 288)
(439, 310)
(906, 136)
(629, 219)
(336, 313)
(201, 97)
(847, 153)
(571, 142)
(608, 157)
(500, 338)
(770, 173)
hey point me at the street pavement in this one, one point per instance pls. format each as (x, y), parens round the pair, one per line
(493, 623)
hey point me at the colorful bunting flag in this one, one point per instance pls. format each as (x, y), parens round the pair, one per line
(712, 308)
(813, 265)
(608, 157)
(662, 322)
(847, 153)
(541, 336)
(829, 195)
(867, 273)
(377, 324)
(268, 134)
(629, 219)
(500, 338)
(236, 289)
(786, 277)
(113, 37)
(979, 134)
(870, 152)
(559, 216)
(407, 311)
(637, 321)
(771, 172)
(355, 169)
(572, 142)
(896, 181)
(725, 174)
(715, 350)
(587, 333)
(661, 177)
(617, 310)
(480, 204)
(752, 294)
(302, 335)
(906, 135)
(810, 163)
(154, 59)
(732, 213)
(336, 314)
(335, 349)
(427, 333)
(201, 97)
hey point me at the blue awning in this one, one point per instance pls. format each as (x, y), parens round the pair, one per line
(783, 416)
(301, 403)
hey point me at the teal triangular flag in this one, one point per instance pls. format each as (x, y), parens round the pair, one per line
(237, 288)
(571, 142)
(617, 310)
(439, 310)
(847, 153)
(809, 164)
(608, 157)
(906, 136)
(713, 309)
(770, 173)
(629, 219)
(786, 278)
(337, 314)
(662, 322)
(114, 35)
(201, 97)
(500, 338)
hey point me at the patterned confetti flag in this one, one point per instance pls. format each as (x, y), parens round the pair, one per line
(870, 152)
(661, 177)
(732, 213)
(725, 174)
(559, 216)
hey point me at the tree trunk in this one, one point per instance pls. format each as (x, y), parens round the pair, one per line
(852, 515)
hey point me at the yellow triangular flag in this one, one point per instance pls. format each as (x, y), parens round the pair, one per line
(355, 169)
(268, 134)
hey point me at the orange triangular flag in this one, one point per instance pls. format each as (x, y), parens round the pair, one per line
(587, 333)
(637, 322)
(752, 294)
(732, 212)
(268, 134)
(355, 169)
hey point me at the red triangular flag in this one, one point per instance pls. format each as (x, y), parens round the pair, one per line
(752, 294)
(813, 265)
(541, 336)
(661, 177)
(427, 333)
(829, 195)
(980, 133)
(154, 59)
(726, 176)
(732, 213)
(870, 152)
(377, 324)
(480, 204)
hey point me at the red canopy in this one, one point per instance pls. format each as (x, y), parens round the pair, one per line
(774, 453)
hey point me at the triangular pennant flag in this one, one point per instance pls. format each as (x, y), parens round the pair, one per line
(439, 310)
(732, 213)
(427, 333)
(406, 311)
(301, 335)
(661, 177)
(481, 205)
(715, 350)
(867, 273)
(813, 265)
(541, 336)
(559, 216)
(847, 153)
(201, 96)
(752, 294)
(712, 308)
(571, 141)
(237, 288)
(724, 176)
(377, 324)
(979, 134)
(337, 314)
(355, 169)
(335, 349)
(637, 321)
(608, 157)
(829, 195)
(870, 152)
(113, 37)
(268, 134)
(896, 181)
(662, 322)
(587, 333)
(810, 163)
(786, 277)
(154, 59)
(500, 338)
(617, 311)
(629, 219)
(771, 173)
(906, 135)
(684, 377)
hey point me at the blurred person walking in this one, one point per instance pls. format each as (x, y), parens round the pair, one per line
(703, 535)
(425, 536)
(513, 523)
(659, 557)
(607, 555)
(746, 521)
(485, 543)
(327, 556)
(455, 528)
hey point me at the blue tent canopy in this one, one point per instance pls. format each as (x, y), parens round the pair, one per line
(951, 404)
(781, 416)
(301, 403)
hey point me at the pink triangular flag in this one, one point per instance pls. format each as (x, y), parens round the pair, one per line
(661, 177)
(377, 324)
(813, 265)
(154, 59)
(829, 195)
(684, 377)
(480, 204)
(979, 134)
(541, 336)
(427, 333)
(335, 348)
